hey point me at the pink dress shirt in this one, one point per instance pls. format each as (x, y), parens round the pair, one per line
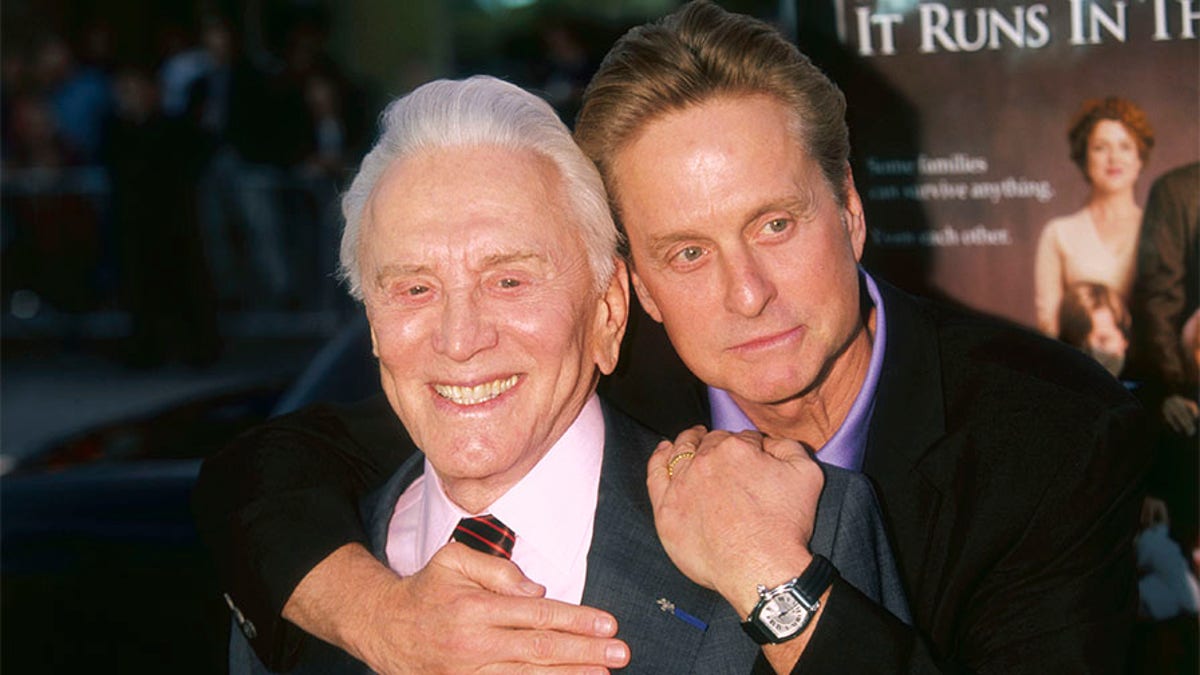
(552, 510)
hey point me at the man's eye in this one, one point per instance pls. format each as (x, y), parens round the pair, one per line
(509, 282)
(690, 253)
(417, 290)
(775, 226)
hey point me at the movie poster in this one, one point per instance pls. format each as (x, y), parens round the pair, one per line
(959, 112)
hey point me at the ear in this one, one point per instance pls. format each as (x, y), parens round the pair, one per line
(374, 341)
(612, 315)
(854, 218)
(643, 295)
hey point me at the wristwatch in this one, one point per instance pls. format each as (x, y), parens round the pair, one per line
(783, 612)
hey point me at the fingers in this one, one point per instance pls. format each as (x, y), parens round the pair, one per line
(551, 633)
(550, 652)
(660, 469)
(656, 473)
(544, 615)
(492, 573)
(531, 669)
(785, 449)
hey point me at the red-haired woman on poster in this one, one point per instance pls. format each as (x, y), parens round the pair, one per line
(1110, 140)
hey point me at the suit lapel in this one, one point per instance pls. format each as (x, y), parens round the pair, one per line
(378, 506)
(912, 469)
(628, 572)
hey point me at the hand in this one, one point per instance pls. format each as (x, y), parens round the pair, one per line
(1180, 414)
(737, 514)
(464, 612)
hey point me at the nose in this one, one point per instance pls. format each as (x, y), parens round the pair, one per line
(465, 328)
(748, 288)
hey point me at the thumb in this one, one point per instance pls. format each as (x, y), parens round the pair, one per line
(785, 449)
(490, 572)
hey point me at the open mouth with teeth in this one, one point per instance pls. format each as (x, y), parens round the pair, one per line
(477, 394)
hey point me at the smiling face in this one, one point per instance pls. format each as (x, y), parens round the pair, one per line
(1113, 163)
(741, 250)
(484, 313)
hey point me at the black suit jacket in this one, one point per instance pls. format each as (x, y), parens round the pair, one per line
(1166, 289)
(628, 570)
(1009, 468)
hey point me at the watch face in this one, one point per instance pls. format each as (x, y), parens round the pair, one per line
(783, 615)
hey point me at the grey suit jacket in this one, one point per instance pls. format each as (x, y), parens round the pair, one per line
(628, 571)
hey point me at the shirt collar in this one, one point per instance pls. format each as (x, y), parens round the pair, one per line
(848, 444)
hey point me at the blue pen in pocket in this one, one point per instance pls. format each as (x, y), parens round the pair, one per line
(670, 608)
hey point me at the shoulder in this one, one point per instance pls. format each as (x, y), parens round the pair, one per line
(1026, 414)
(1066, 226)
(993, 362)
(627, 435)
(1180, 178)
(327, 418)
(1000, 387)
(1028, 425)
(365, 428)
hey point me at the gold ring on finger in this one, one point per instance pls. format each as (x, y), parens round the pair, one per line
(686, 454)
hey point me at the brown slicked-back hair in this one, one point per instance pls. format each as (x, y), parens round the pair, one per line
(696, 54)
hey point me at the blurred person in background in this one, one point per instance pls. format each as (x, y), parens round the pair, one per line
(1093, 319)
(155, 163)
(1166, 354)
(1110, 140)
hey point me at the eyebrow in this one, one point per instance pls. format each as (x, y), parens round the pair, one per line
(489, 261)
(394, 270)
(497, 259)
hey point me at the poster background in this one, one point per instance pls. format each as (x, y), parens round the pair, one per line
(1007, 106)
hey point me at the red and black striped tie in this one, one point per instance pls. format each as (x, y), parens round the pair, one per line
(487, 534)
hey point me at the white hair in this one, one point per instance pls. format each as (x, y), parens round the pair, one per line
(481, 110)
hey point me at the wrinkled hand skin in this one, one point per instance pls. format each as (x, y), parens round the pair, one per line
(739, 513)
(465, 612)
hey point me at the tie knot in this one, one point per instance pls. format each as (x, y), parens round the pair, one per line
(487, 534)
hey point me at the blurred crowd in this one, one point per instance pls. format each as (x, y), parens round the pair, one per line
(201, 178)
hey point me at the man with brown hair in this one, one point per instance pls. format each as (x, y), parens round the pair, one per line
(1002, 460)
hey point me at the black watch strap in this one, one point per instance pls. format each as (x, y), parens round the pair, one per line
(810, 585)
(816, 578)
(756, 633)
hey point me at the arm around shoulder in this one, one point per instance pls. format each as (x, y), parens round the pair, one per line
(283, 497)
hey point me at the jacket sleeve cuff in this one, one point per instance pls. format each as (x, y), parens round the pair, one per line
(855, 635)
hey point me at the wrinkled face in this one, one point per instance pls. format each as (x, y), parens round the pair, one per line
(1112, 157)
(740, 248)
(483, 310)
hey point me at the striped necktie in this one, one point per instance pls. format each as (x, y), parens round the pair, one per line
(487, 534)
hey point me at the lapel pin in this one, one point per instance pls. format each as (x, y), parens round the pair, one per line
(670, 608)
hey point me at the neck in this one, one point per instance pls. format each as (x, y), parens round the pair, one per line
(815, 415)
(472, 497)
(1106, 206)
(477, 494)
